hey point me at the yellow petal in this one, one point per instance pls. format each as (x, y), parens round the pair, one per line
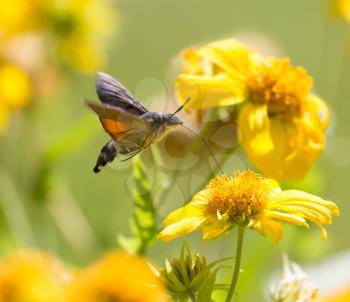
(183, 221)
(323, 232)
(180, 228)
(315, 214)
(294, 203)
(215, 74)
(317, 107)
(296, 146)
(209, 91)
(267, 227)
(254, 129)
(285, 217)
(305, 143)
(231, 56)
(302, 197)
(182, 213)
(265, 142)
(214, 229)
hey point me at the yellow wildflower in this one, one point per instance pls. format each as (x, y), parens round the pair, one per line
(81, 28)
(32, 277)
(17, 16)
(15, 86)
(281, 124)
(247, 199)
(77, 30)
(118, 277)
(15, 91)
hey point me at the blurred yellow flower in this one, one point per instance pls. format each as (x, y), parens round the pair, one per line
(77, 30)
(281, 124)
(15, 91)
(118, 277)
(247, 199)
(342, 8)
(15, 86)
(81, 28)
(32, 277)
(17, 16)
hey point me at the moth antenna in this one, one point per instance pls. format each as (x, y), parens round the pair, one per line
(182, 106)
(205, 144)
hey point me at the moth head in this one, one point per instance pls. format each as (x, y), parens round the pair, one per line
(172, 120)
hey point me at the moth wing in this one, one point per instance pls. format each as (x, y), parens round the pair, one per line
(120, 125)
(113, 93)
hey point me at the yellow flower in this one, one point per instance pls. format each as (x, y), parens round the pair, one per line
(15, 91)
(32, 277)
(77, 30)
(342, 8)
(15, 86)
(281, 125)
(118, 277)
(81, 28)
(17, 16)
(250, 200)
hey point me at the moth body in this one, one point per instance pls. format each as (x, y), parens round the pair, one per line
(130, 125)
(161, 124)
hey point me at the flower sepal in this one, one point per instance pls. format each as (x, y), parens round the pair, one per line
(191, 277)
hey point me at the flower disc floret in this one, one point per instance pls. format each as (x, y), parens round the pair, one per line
(283, 87)
(239, 197)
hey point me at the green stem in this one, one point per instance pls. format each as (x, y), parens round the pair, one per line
(237, 264)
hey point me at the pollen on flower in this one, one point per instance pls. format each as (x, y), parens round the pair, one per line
(239, 197)
(281, 86)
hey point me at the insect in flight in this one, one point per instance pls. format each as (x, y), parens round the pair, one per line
(130, 125)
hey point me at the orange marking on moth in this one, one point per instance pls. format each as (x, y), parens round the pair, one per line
(114, 128)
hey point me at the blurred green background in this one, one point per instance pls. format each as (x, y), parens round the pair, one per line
(51, 199)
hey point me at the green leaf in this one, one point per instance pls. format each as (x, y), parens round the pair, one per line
(207, 287)
(143, 223)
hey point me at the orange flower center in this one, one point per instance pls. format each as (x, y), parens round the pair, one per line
(281, 86)
(239, 198)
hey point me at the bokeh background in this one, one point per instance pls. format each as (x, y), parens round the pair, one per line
(49, 196)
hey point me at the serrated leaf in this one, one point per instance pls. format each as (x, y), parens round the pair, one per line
(143, 224)
(206, 289)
